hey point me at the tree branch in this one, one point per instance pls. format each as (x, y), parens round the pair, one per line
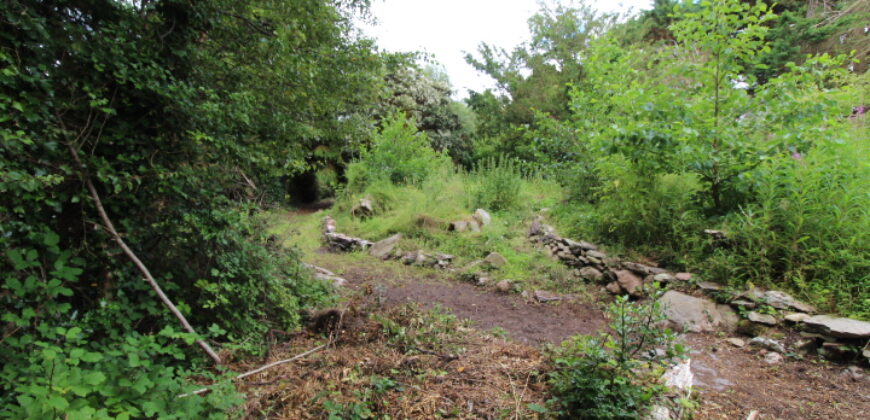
(136, 261)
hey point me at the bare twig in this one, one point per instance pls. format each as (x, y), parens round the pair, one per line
(136, 261)
(261, 369)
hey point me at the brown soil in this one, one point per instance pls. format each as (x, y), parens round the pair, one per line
(731, 382)
(526, 322)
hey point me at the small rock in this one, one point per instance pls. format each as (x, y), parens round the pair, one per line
(796, 317)
(328, 225)
(779, 300)
(744, 303)
(683, 276)
(679, 376)
(630, 282)
(383, 248)
(736, 342)
(839, 327)
(473, 226)
(854, 373)
(762, 318)
(729, 318)
(773, 358)
(495, 259)
(544, 296)
(659, 413)
(504, 286)
(664, 277)
(613, 287)
(709, 286)
(596, 254)
(591, 274)
(482, 217)
(637, 268)
(363, 208)
(768, 343)
(458, 226)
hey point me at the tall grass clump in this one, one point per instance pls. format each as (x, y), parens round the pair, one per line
(809, 230)
(496, 184)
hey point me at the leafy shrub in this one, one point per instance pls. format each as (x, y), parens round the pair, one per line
(497, 184)
(810, 228)
(614, 376)
(398, 154)
(645, 211)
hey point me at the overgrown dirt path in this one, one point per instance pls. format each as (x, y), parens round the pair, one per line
(732, 382)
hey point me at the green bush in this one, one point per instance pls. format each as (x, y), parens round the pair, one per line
(496, 184)
(643, 211)
(398, 154)
(614, 376)
(810, 228)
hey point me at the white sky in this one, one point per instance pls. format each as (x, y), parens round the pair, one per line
(449, 28)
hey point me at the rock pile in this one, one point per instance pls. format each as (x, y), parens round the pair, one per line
(475, 223)
(339, 242)
(824, 333)
(385, 249)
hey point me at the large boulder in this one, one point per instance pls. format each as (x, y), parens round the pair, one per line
(694, 314)
(383, 248)
(838, 327)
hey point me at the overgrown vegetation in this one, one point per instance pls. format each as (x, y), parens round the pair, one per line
(190, 118)
(614, 375)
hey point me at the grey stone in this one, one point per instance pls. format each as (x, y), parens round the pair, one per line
(691, 313)
(762, 318)
(613, 287)
(683, 276)
(664, 277)
(596, 254)
(768, 343)
(680, 376)
(854, 373)
(482, 217)
(839, 327)
(773, 358)
(796, 317)
(504, 286)
(709, 286)
(744, 303)
(736, 342)
(458, 226)
(629, 282)
(383, 248)
(637, 268)
(779, 300)
(544, 296)
(328, 225)
(659, 413)
(363, 208)
(495, 259)
(730, 318)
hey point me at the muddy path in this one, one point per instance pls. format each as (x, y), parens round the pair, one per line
(732, 382)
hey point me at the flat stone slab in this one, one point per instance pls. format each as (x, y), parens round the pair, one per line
(693, 314)
(383, 248)
(839, 327)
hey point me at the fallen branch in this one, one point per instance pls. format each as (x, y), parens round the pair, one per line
(260, 369)
(147, 274)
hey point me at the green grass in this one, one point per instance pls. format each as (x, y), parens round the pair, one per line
(422, 213)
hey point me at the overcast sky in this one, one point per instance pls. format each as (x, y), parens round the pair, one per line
(448, 28)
